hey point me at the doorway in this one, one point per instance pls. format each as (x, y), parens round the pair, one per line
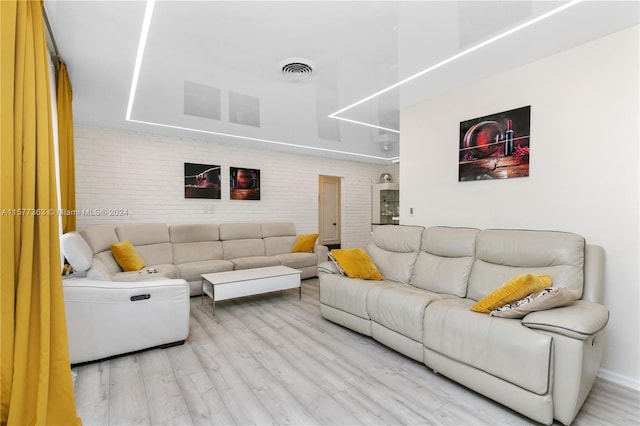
(329, 211)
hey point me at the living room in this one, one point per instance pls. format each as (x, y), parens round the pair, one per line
(583, 170)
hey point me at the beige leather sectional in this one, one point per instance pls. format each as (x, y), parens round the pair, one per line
(542, 365)
(102, 301)
(188, 250)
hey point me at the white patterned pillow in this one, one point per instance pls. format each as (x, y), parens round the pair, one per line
(335, 262)
(550, 297)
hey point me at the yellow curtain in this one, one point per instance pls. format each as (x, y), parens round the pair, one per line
(36, 377)
(65, 149)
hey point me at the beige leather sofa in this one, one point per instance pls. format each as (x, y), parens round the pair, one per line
(188, 250)
(111, 312)
(542, 365)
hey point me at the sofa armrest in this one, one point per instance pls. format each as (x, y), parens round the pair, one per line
(579, 320)
(107, 318)
(327, 268)
(76, 285)
(322, 252)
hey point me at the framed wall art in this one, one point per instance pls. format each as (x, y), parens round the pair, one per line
(244, 183)
(495, 146)
(201, 181)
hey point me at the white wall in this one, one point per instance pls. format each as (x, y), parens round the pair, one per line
(583, 168)
(143, 175)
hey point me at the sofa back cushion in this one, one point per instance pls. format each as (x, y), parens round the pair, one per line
(195, 242)
(99, 239)
(502, 254)
(279, 237)
(278, 229)
(194, 233)
(394, 249)
(240, 231)
(278, 245)
(241, 240)
(444, 262)
(233, 249)
(151, 241)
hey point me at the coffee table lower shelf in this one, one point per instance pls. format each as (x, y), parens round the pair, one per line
(247, 282)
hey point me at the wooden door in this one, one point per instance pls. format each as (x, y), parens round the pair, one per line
(329, 201)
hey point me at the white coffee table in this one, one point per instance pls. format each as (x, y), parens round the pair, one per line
(247, 282)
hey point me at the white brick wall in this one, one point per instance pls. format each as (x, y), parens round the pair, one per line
(143, 175)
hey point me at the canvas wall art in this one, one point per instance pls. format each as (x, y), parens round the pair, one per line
(201, 181)
(495, 146)
(244, 183)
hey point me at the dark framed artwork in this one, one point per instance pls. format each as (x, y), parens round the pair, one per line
(495, 146)
(244, 183)
(201, 181)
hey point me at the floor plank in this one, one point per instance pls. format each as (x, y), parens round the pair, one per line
(273, 359)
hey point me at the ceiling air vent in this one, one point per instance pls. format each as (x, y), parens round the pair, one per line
(296, 68)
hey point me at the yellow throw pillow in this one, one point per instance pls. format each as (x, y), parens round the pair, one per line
(304, 243)
(514, 289)
(126, 256)
(356, 263)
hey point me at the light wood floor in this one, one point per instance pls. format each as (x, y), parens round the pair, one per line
(272, 359)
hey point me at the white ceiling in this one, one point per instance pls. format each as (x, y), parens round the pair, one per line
(210, 69)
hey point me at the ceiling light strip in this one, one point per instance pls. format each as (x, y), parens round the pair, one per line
(146, 24)
(228, 135)
(367, 124)
(454, 57)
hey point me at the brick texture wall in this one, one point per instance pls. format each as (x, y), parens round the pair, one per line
(128, 177)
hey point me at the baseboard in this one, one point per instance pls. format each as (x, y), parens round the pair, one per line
(619, 379)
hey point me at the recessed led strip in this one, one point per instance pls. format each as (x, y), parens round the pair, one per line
(146, 24)
(248, 138)
(448, 60)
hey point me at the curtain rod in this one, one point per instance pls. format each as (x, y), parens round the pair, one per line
(50, 32)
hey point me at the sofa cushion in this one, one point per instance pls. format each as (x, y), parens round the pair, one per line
(254, 262)
(107, 259)
(168, 270)
(155, 254)
(99, 238)
(394, 249)
(502, 347)
(400, 307)
(502, 254)
(347, 294)
(240, 231)
(278, 229)
(514, 289)
(191, 271)
(442, 274)
(98, 271)
(192, 233)
(233, 249)
(125, 254)
(278, 245)
(144, 233)
(297, 260)
(445, 260)
(197, 251)
(304, 243)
